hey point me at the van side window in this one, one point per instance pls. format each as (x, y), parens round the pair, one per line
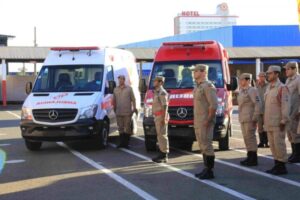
(110, 74)
(109, 77)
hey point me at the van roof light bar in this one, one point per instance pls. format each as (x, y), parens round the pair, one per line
(74, 48)
(188, 43)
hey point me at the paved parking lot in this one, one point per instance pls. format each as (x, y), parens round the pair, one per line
(78, 170)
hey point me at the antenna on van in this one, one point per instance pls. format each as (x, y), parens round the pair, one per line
(73, 56)
(89, 53)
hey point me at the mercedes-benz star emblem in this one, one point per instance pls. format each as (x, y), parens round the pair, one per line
(182, 112)
(53, 114)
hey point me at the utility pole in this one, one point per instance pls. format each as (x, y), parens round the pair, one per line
(34, 41)
(35, 45)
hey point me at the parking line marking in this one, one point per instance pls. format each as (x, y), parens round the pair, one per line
(190, 175)
(261, 155)
(17, 116)
(4, 145)
(242, 140)
(277, 178)
(111, 174)
(14, 161)
(284, 180)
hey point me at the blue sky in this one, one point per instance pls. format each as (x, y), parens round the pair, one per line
(114, 22)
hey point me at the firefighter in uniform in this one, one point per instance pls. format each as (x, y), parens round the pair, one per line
(293, 84)
(161, 118)
(205, 106)
(124, 106)
(249, 110)
(276, 119)
(261, 87)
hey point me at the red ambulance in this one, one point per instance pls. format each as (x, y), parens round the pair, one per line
(174, 61)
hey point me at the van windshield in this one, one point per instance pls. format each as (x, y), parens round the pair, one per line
(178, 75)
(69, 78)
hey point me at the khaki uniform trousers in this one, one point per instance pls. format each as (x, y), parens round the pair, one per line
(260, 124)
(162, 134)
(204, 137)
(248, 131)
(277, 144)
(124, 124)
(292, 131)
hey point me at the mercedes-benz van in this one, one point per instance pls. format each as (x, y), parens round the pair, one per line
(72, 95)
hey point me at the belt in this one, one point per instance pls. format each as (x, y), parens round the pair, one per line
(158, 113)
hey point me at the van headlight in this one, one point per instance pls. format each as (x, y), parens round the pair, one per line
(26, 114)
(148, 110)
(88, 112)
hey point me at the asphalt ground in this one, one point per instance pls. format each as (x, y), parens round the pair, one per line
(78, 170)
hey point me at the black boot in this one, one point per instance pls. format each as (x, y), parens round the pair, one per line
(279, 169)
(121, 141)
(126, 140)
(208, 171)
(205, 164)
(244, 162)
(270, 171)
(251, 159)
(161, 158)
(265, 140)
(261, 140)
(296, 157)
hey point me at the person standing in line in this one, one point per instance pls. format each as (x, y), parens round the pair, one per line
(205, 106)
(276, 119)
(124, 106)
(261, 87)
(161, 118)
(293, 84)
(249, 110)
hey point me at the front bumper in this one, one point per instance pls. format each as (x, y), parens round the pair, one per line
(185, 131)
(79, 130)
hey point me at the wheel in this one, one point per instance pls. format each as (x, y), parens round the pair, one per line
(150, 143)
(33, 146)
(102, 137)
(224, 142)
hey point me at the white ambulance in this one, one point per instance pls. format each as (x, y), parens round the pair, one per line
(72, 95)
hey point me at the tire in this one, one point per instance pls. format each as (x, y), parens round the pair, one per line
(186, 145)
(102, 137)
(224, 142)
(150, 143)
(33, 146)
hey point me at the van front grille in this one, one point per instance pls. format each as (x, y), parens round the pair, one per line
(54, 115)
(181, 113)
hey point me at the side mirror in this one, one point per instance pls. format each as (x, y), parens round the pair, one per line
(143, 86)
(28, 87)
(111, 86)
(233, 84)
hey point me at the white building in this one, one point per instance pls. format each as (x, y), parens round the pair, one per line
(191, 21)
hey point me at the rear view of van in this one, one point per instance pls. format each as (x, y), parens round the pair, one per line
(71, 98)
(174, 61)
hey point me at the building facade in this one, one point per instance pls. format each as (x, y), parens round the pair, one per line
(193, 21)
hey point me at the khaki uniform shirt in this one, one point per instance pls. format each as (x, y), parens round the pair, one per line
(276, 105)
(160, 101)
(293, 84)
(261, 89)
(124, 100)
(250, 106)
(205, 98)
